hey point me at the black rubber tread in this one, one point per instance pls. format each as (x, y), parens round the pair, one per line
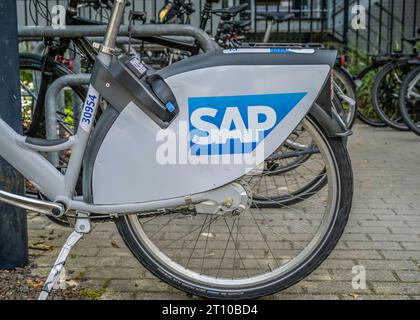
(376, 103)
(403, 102)
(349, 83)
(360, 114)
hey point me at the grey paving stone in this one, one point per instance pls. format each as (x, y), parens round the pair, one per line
(282, 296)
(411, 245)
(374, 297)
(371, 275)
(401, 254)
(367, 230)
(391, 265)
(394, 288)
(363, 245)
(409, 276)
(332, 287)
(332, 263)
(394, 237)
(355, 254)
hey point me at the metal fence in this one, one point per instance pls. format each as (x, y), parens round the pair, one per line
(387, 21)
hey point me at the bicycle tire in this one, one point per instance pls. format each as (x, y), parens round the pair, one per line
(405, 104)
(350, 91)
(386, 104)
(365, 112)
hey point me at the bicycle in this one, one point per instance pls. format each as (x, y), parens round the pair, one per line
(176, 11)
(203, 203)
(368, 83)
(364, 82)
(228, 31)
(386, 89)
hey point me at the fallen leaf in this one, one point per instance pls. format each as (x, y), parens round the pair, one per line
(355, 296)
(115, 244)
(40, 246)
(38, 284)
(72, 283)
(208, 235)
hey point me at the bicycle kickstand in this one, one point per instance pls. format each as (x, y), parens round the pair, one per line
(82, 226)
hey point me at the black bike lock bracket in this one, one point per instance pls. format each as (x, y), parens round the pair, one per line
(120, 84)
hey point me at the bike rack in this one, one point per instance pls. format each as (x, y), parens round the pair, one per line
(203, 39)
(51, 102)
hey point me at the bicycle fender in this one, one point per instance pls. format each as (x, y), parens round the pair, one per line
(231, 105)
(333, 125)
(350, 77)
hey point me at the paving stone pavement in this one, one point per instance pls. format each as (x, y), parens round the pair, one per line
(383, 236)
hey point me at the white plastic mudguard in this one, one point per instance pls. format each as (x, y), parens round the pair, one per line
(267, 100)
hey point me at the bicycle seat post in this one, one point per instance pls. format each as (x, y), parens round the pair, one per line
(108, 47)
(268, 30)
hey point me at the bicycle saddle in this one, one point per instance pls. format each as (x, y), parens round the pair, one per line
(227, 13)
(278, 17)
(240, 23)
(138, 15)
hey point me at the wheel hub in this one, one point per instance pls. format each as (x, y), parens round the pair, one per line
(230, 200)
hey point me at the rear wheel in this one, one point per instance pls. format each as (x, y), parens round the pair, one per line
(365, 111)
(346, 92)
(385, 94)
(410, 101)
(259, 252)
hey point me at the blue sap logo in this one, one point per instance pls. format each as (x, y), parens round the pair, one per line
(235, 124)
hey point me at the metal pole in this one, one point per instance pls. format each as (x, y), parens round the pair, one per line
(76, 101)
(415, 18)
(203, 39)
(333, 16)
(403, 26)
(346, 17)
(53, 91)
(369, 29)
(13, 227)
(114, 23)
(380, 28)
